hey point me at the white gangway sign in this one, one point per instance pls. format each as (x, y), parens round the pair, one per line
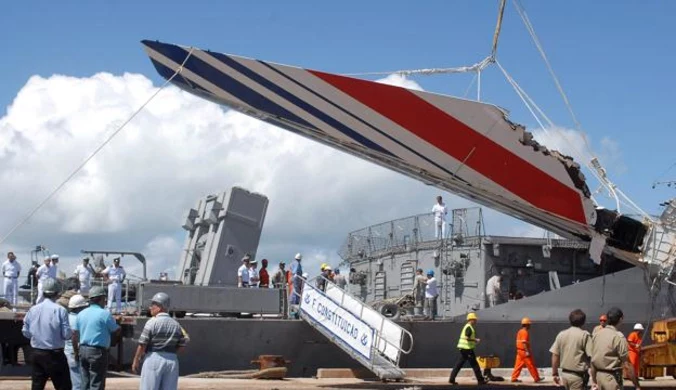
(354, 333)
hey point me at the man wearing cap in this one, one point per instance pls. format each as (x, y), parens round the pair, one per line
(116, 275)
(571, 351)
(76, 304)
(603, 320)
(466, 345)
(524, 354)
(635, 339)
(161, 339)
(93, 329)
(243, 272)
(263, 276)
(43, 274)
(431, 295)
(297, 275)
(46, 325)
(10, 270)
(54, 267)
(253, 273)
(84, 273)
(609, 354)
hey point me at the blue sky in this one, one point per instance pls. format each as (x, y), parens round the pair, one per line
(614, 58)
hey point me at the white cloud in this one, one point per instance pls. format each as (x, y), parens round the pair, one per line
(400, 81)
(133, 194)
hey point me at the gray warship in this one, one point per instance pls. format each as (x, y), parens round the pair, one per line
(232, 326)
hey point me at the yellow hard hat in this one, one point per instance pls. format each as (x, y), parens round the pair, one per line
(324, 265)
(472, 316)
(525, 321)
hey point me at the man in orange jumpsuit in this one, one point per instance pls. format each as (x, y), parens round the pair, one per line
(634, 340)
(524, 357)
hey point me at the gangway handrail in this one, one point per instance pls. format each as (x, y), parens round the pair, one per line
(378, 332)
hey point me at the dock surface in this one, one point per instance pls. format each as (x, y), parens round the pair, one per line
(328, 384)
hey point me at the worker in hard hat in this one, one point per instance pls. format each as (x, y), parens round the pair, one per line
(76, 304)
(524, 355)
(466, 345)
(635, 340)
(94, 328)
(46, 325)
(161, 339)
(603, 321)
(296, 275)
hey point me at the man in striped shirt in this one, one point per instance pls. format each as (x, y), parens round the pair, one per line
(161, 339)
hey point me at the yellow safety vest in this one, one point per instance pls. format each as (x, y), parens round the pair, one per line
(465, 342)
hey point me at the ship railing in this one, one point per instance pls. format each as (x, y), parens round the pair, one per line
(390, 341)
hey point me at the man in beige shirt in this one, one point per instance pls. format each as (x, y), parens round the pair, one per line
(571, 351)
(610, 353)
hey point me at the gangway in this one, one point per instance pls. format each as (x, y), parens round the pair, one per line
(362, 332)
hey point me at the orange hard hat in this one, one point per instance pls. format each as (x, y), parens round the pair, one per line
(525, 321)
(603, 317)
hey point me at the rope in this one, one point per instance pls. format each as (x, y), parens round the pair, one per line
(430, 71)
(532, 107)
(538, 45)
(91, 156)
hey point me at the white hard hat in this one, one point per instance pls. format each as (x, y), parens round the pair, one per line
(305, 275)
(638, 327)
(55, 257)
(299, 256)
(77, 301)
(327, 268)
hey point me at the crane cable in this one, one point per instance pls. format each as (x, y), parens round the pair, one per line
(95, 152)
(612, 188)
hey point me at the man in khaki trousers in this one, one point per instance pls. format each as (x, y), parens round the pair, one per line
(610, 353)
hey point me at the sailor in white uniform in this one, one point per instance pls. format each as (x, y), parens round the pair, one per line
(10, 271)
(243, 272)
(439, 210)
(54, 268)
(84, 273)
(43, 274)
(116, 276)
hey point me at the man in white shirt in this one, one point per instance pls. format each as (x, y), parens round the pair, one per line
(431, 295)
(10, 271)
(43, 273)
(243, 272)
(253, 273)
(116, 275)
(439, 210)
(493, 290)
(54, 267)
(84, 273)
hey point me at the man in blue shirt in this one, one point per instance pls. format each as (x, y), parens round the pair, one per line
(46, 325)
(297, 274)
(93, 328)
